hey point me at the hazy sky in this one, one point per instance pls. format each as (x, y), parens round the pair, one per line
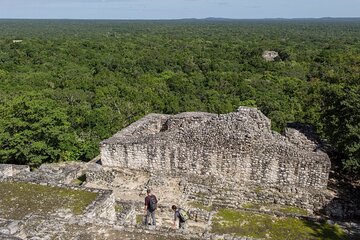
(169, 9)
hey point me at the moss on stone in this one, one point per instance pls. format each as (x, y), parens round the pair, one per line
(241, 223)
(118, 207)
(139, 219)
(20, 199)
(200, 205)
(200, 195)
(294, 210)
(276, 207)
(258, 190)
(251, 206)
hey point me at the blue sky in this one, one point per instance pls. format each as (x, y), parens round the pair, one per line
(170, 9)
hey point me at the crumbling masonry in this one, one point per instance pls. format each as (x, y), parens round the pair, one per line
(226, 159)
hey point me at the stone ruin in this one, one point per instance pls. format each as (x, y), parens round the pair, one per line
(270, 55)
(9, 170)
(104, 218)
(226, 159)
(60, 175)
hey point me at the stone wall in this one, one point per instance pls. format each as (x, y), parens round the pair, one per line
(10, 170)
(236, 148)
(236, 151)
(235, 197)
(105, 176)
(102, 208)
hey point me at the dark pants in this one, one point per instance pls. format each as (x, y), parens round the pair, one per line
(182, 225)
(147, 218)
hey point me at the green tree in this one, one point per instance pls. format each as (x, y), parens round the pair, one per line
(34, 130)
(342, 122)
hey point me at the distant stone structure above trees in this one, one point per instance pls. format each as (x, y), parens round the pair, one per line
(270, 55)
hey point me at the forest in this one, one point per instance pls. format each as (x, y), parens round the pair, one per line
(66, 85)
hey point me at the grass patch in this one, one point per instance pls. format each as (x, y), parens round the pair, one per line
(251, 206)
(20, 199)
(294, 210)
(200, 205)
(118, 207)
(258, 190)
(241, 223)
(276, 207)
(200, 195)
(139, 219)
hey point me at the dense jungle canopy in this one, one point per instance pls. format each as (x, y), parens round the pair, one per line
(70, 84)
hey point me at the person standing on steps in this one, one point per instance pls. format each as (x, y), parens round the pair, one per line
(150, 207)
(182, 215)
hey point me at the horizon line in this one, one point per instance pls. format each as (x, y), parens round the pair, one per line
(190, 18)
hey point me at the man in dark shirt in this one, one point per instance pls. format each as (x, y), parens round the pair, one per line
(150, 207)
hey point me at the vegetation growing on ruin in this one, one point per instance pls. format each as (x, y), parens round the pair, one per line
(202, 206)
(118, 207)
(70, 84)
(269, 227)
(20, 199)
(294, 210)
(276, 207)
(140, 219)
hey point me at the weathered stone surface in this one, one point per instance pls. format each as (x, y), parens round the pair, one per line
(227, 151)
(190, 158)
(10, 170)
(270, 55)
(8, 237)
(103, 207)
(55, 173)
